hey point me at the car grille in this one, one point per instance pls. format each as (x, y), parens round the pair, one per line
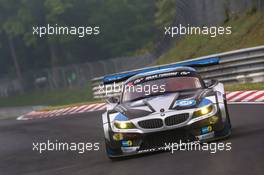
(150, 124)
(159, 139)
(176, 119)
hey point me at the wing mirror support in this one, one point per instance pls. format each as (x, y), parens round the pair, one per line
(113, 100)
(211, 83)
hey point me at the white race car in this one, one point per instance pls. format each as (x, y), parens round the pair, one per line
(182, 108)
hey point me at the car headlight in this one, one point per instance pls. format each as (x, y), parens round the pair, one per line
(124, 125)
(203, 111)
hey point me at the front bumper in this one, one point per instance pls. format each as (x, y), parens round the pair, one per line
(134, 143)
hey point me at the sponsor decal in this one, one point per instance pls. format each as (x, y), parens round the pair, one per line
(139, 80)
(166, 75)
(127, 143)
(206, 136)
(206, 129)
(185, 103)
(162, 75)
(129, 149)
(120, 117)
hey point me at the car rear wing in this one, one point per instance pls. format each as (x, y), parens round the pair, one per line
(120, 77)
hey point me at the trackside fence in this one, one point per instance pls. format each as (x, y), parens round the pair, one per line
(239, 66)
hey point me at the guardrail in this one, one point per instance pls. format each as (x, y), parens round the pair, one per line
(239, 66)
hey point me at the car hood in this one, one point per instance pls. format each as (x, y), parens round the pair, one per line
(161, 104)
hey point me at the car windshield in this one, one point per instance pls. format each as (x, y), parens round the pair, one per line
(133, 92)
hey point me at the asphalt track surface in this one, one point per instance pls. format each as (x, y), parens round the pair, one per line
(17, 157)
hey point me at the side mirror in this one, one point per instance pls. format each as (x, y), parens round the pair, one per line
(210, 83)
(113, 100)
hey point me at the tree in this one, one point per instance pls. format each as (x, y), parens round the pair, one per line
(165, 13)
(14, 25)
(54, 10)
(125, 25)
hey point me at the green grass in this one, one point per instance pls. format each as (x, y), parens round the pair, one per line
(247, 31)
(76, 97)
(244, 87)
(50, 98)
(230, 88)
(3, 117)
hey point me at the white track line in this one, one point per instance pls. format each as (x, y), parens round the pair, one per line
(22, 117)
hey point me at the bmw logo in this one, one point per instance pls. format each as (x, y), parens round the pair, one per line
(162, 110)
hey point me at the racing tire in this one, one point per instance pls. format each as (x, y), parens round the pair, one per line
(226, 132)
(110, 152)
(227, 115)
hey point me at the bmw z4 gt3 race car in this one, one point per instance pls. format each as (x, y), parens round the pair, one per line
(180, 107)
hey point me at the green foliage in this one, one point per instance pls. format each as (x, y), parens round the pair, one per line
(166, 13)
(54, 98)
(125, 27)
(56, 8)
(244, 87)
(16, 23)
(247, 31)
